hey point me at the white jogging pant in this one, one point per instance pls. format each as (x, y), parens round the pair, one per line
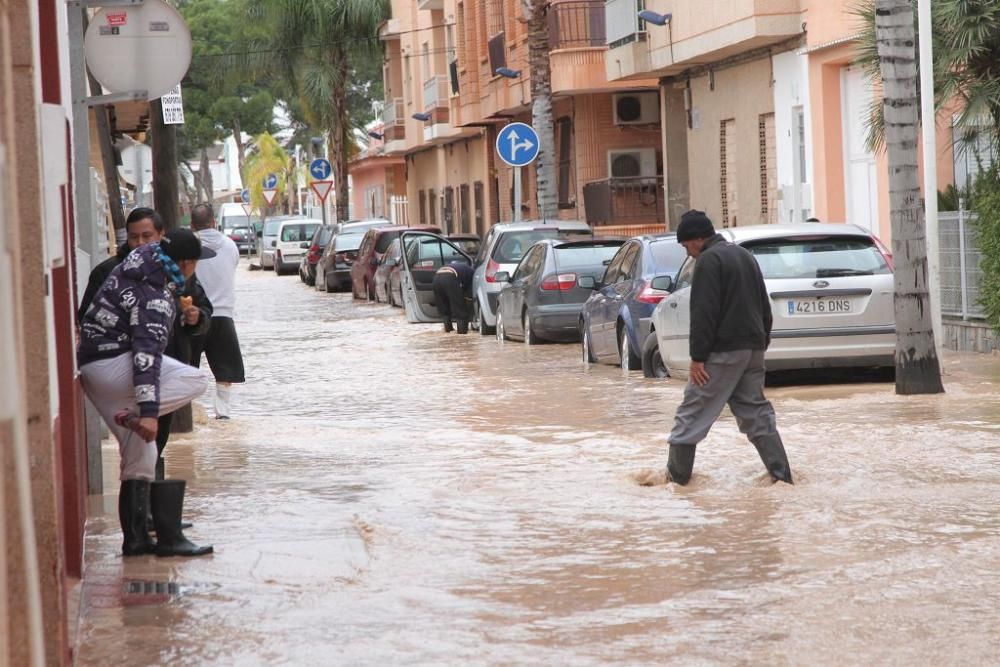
(108, 384)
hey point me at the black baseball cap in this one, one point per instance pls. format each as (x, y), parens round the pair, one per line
(184, 244)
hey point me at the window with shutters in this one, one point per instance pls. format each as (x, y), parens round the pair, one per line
(463, 199)
(422, 197)
(565, 181)
(432, 208)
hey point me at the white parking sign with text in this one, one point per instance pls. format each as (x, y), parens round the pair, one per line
(173, 107)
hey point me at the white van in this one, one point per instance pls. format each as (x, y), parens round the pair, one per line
(230, 216)
(293, 238)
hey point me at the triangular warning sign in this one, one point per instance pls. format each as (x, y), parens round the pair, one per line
(247, 209)
(322, 189)
(269, 196)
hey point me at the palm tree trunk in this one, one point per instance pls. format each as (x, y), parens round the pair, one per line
(541, 109)
(917, 366)
(338, 133)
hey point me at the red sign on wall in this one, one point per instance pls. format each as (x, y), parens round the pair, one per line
(117, 18)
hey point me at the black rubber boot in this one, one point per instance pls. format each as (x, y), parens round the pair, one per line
(167, 499)
(463, 326)
(680, 463)
(772, 453)
(447, 326)
(133, 505)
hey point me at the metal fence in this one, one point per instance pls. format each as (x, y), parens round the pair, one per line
(959, 260)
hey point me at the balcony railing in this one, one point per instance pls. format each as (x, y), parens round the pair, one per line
(617, 201)
(394, 119)
(577, 24)
(436, 92)
(622, 20)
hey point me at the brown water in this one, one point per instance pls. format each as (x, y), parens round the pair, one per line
(388, 494)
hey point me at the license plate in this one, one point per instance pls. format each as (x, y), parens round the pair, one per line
(819, 306)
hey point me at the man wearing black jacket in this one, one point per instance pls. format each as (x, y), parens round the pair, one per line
(730, 331)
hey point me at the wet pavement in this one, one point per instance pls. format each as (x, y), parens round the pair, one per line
(388, 494)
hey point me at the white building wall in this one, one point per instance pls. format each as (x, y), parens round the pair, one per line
(793, 136)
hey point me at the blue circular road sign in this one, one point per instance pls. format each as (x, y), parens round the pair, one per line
(517, 144)
(320, 169)
(270, 182)
(245, 196)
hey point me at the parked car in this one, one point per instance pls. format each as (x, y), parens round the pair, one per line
(373, 245)
(333, 270)
(267, 240)
(307, 266)
(231, 216)
(470, 243)
(831, 290)
(387, 267)
(503, 248)
(615, 319)
(542, 299)
(423, 253)
(293, 243)
(244, 239)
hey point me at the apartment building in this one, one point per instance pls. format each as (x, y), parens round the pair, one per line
(764, 118)
(445, 104)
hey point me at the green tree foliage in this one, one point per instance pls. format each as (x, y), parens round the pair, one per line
(987, 206)
(266, 156)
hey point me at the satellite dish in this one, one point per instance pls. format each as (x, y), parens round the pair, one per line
(142, 47)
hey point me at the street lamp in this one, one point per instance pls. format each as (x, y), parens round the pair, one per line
(650, 16)
(421, 116)
(375, 135)
(508, 73)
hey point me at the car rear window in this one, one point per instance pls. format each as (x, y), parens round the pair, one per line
(818, 257)
(668, 255)
(348, 242)
(585, 256)
(231, 221)
(512, 245)
(271, 227)
(324, 236)
(297, 233)
(385, 239)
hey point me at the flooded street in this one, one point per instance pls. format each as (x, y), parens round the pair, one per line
(386, 494)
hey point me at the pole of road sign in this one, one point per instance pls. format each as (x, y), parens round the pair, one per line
(517, 194)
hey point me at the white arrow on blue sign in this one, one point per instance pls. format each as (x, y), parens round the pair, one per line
(320, 169)
(517, 144)
(245, 196)
(270, 182)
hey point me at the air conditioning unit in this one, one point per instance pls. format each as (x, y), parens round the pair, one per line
(636, 108)
(632, 163)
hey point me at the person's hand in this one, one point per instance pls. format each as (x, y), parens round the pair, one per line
(147, 428)
(698, 373)
(191, 315)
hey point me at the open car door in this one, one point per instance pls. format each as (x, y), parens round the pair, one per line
(423, 253)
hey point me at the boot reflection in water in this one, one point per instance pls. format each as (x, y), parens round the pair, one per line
(167, 500)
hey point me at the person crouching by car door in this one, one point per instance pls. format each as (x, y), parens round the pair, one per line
(453, 295)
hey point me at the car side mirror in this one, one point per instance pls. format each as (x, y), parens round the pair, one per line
(274, 244)
(304, 245)
(663, 283)
(502, 277)
(587, 282)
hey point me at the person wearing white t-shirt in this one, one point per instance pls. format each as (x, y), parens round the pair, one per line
(218, 277)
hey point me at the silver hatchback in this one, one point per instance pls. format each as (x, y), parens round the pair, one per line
(502, 250)
(831, 290)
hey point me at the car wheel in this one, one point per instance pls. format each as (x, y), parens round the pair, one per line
(330, 287)
(500, 332)
(311, 281)
(588, 354)
(630, 361)
(484, 329)
(652, 362)
(371, 292)
(302, 278)
(529, 335)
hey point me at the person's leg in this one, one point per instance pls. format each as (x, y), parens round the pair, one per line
(442, 300)
(756, 419)
(456, 304)
(700, 408)
(162, 436)
(225, 358)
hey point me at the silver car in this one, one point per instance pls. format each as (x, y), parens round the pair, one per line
(502, 250)
(831, 290)
(269, 239)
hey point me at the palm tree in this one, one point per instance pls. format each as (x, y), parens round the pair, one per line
(536, 12)
(266, 156)
(917, 366)
(314, 43)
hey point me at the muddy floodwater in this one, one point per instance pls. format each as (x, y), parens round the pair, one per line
(386, 494)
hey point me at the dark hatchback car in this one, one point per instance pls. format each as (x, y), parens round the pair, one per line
(307, 267)
(244, 239)
(388, 266)
(374, 244)
(543, 297)
(615, 320)
(470, 243)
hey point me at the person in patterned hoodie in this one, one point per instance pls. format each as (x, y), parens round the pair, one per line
(131, 382)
